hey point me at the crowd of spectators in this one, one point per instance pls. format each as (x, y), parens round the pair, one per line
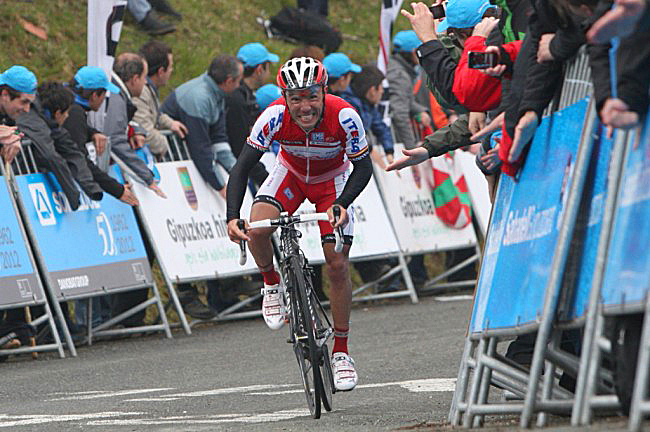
(492, 111)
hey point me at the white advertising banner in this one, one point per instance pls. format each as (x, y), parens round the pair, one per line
(478, 188)
(189, 226)
(409, 201)
(103, 29)
(373, 235)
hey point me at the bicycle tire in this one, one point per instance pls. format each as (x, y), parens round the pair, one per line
(327, 378)
(305, 348)
(323, 329)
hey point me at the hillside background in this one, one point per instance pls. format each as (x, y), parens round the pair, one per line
(209, 28)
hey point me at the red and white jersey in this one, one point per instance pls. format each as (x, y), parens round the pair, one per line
(320, 154)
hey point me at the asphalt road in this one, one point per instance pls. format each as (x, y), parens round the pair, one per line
(242, 376)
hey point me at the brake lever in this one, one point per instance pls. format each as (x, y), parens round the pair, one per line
(241, 224)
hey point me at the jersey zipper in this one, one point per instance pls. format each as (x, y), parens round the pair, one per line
(308, 159)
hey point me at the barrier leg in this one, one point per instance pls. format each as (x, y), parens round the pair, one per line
(64, 326)
(594, 365)
(485, 382)
(177, 303)
(637, 410)
(476, 382)
(161, 309)
(55, 332)
(89, 320)
(547, 391)
(407, 277)
(461, 384)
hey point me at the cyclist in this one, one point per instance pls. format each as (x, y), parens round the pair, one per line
(320, 136)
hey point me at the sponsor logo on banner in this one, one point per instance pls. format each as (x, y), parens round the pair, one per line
(106, 233)
(42, 204)
(73, 282)
(188, 188)
(24, 288)
(138, 272)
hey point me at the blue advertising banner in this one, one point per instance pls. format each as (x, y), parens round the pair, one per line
(582, 262)
(18, 283)
(627, 277)
(525, 224)
(94, 249)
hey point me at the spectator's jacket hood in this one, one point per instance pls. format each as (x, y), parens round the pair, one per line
(118, 82)
(82, 102)
(124, 93)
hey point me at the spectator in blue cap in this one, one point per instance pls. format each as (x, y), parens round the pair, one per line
(402, 75)
(17, 92)
(242, 104)
(464, 14)
(339, 72)
(267, 94)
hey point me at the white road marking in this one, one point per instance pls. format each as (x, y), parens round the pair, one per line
(430, 385)
(221, 391)
(424, 385)
(109, 394)
(153, 399)
(7, 420)
(223, 418)
(453, 298)
(111, 418)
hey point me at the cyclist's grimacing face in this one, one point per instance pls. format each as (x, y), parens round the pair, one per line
(305, 106)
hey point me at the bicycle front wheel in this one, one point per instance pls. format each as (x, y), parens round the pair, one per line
(305, 346)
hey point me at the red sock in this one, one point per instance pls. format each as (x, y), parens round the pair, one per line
(340, 340)
(271, 277)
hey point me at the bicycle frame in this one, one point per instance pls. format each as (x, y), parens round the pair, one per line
(309, 325)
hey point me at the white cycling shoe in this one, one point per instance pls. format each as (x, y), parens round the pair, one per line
(274, 308)
(345, 374)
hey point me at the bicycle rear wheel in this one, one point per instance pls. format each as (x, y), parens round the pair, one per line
(305, 346)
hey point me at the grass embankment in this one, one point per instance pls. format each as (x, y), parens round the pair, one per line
(209, 28)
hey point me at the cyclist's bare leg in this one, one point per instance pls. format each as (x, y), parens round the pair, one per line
(260, 244)
(338, 273)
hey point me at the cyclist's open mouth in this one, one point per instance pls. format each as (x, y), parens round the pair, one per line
(307, 118)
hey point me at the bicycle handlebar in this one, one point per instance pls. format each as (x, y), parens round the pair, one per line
(291, 220)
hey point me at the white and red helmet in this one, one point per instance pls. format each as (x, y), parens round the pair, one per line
(301, 73)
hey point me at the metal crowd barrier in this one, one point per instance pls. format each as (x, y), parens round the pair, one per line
(93, 280)
(482, 366)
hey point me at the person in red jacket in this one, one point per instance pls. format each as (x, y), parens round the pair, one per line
(474, 88)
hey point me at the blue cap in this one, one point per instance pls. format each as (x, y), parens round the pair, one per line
(406, 41)
(267, 94)
(92, 77)
(464, 14)
(255, 53)
(338, 64)
(20, 79)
